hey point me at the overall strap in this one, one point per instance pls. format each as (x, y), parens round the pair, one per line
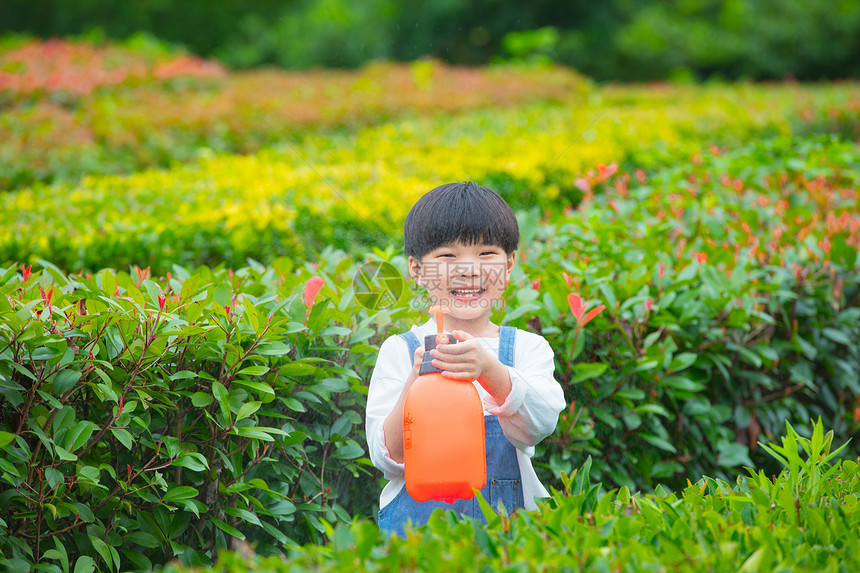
(412, 342)
(507, 338)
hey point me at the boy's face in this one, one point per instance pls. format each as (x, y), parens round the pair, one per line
(467, 279)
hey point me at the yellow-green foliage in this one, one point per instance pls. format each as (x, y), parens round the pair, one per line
(356, 187)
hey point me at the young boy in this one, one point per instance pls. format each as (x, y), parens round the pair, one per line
(461, 240)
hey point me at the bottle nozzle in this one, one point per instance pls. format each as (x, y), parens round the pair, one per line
(439, 311)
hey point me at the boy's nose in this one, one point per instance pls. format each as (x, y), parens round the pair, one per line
(466, 269)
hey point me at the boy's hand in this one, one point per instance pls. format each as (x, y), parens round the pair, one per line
(467, 360)
(416, 366)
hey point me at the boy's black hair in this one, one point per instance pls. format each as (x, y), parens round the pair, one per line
(460, 212)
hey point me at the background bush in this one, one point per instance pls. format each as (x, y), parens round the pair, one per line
(227, 207)
(732, 290)
(73, 108)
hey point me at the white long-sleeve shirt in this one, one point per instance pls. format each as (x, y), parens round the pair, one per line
(529, 414)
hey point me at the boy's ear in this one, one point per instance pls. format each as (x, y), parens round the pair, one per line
(414, 266)
(511, 262)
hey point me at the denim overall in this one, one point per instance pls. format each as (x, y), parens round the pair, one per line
(503, 471)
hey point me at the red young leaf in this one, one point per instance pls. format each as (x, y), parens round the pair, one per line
(312, 289)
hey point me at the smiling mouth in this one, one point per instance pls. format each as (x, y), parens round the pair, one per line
(467, 292)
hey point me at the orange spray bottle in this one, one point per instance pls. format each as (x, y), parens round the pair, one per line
(443, 431)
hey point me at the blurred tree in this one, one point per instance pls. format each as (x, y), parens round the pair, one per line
(308, 33)
(760, 39)
(617, 39)
(201, 25)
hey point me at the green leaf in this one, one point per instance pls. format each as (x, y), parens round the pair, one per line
(9, 384)
(103, 550)
(682, 361)
(65, 380)
(748, 355)
(837, 336)
(223, 396)
(63, 419)
(63, 555)
(54, 477)
(582, 372)
(193, 461)
(753, 563)
(658, 442)
(258, 433)
(489, 514)
(293, 404)
(85, 564)
(653, 409)
(22, 370)
(192, 505)
(733, 454)
(297, 368)
(644, 364)
(273, 349)
(254, 370)
(228, 529)
(107, 280)
(201, 399)
(64, 454)
(90, 473)
(78, 436)
(6, 438)
(631, 394)
(180, 492)
(243, 514)
(349, 451)
(142, 538)
(262, 389)
(138, 559)
(124, 437)
(183, 375)
(247, 409)
(683, 383)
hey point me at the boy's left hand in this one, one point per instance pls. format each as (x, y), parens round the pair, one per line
(467, 360)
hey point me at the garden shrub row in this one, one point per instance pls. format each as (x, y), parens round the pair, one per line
(732, 288)
(163, 415)
(72, 109)
(148, 419)
(353, 189)
(804, 519)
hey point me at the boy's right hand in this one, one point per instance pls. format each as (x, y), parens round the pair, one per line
(417, 358)
(392, 429)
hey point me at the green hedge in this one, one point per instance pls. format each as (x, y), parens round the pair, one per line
(146, 419)
(805, 519)
(733, 291)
